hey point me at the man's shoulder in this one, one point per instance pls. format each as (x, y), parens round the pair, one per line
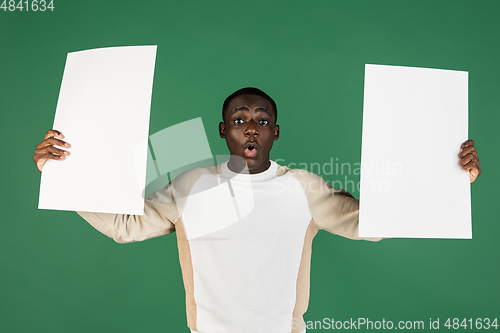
(181, 185)
(299, 174)
(195, 173)
(311, 182)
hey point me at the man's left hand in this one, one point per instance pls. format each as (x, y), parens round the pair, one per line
(468, 160)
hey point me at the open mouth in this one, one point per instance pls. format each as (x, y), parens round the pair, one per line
(250, 149)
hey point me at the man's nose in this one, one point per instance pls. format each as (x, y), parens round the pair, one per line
(251, 128)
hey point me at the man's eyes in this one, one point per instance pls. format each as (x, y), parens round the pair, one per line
(240, 121)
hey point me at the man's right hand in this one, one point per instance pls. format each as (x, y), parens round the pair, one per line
(45, 150)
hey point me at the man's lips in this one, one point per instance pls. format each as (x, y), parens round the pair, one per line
(250, 149)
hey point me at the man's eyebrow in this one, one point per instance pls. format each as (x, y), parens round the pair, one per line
(244, 108)
(239, 108)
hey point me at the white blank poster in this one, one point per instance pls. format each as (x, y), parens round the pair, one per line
(414, 121)
(103, 111)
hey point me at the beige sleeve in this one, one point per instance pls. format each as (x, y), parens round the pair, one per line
(160, 215)
(333, 210)
(162, 209)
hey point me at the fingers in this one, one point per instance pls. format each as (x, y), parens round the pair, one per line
(55, 151)
(48, 153)
(474, 170)
(469, 160)
(467, 144)
(45, 150)
(468, 151)
(48, 156)
(53, 133)
(52, 141)
(468, 164)
(50, 150)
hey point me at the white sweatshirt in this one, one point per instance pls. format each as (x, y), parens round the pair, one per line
(244, 241)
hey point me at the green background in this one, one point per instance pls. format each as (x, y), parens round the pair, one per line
(58, 274)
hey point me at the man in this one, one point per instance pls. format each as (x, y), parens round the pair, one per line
(244, 227)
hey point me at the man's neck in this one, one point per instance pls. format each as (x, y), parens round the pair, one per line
(238, 166)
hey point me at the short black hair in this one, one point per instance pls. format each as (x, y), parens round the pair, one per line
(249, 91)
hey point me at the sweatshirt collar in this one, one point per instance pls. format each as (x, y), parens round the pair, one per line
(245, 176)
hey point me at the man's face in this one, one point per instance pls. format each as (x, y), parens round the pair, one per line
(249, 129)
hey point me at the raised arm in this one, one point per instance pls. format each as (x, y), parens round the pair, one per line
(333, 210)
(160, 215)
(160, 210)
(337, 211)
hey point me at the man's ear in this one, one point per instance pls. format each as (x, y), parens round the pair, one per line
(222, 130)
(276, 132)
